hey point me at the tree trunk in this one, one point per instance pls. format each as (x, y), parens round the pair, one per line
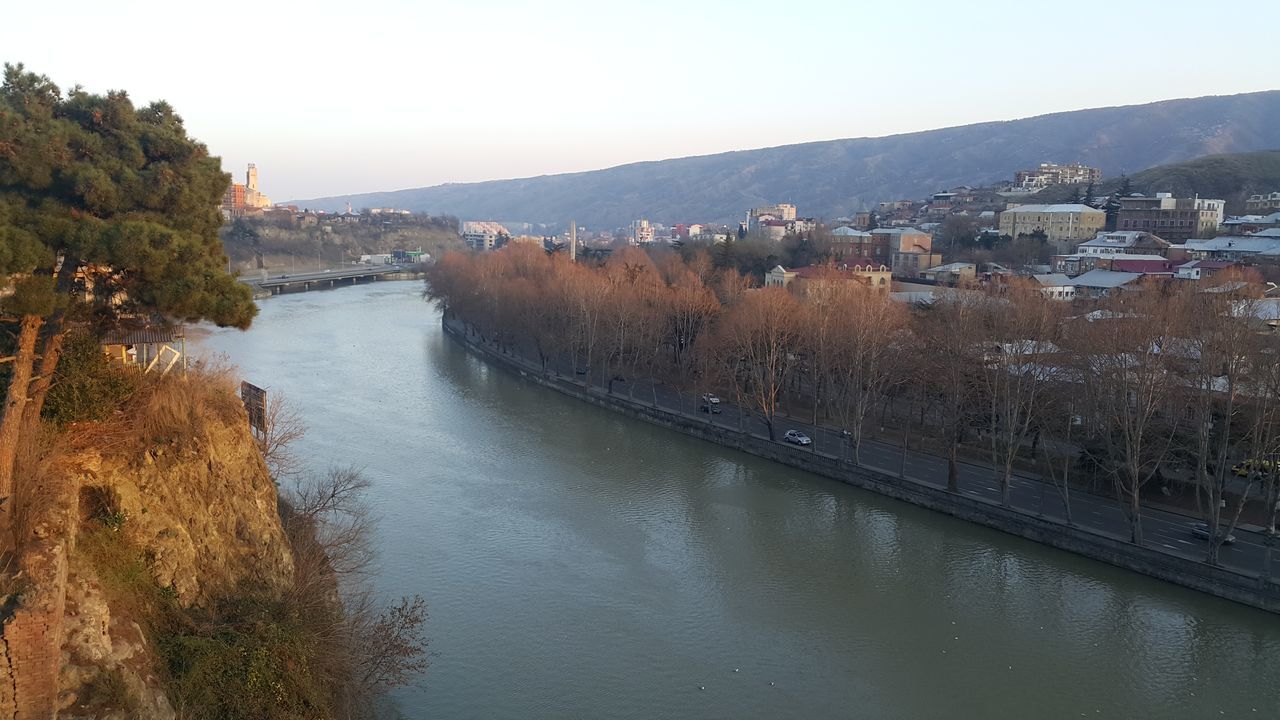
(953, 470)
(40, 384)
(1135, 514)
(11, 424)
(1006, 485)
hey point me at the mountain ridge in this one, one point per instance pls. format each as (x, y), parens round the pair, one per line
(827, 178)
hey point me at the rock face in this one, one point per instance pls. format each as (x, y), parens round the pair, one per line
(203, 513)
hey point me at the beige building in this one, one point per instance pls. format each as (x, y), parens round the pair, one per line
(810, 281)
(911, 264)
(1064, 225)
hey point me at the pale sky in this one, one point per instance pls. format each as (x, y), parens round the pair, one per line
(333, 98)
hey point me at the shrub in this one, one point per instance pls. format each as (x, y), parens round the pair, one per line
(86, 386)
(109, 691)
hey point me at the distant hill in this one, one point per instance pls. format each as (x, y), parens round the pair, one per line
(839, 177)
(1231, 177)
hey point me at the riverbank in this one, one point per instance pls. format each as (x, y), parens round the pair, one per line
(1256, 589)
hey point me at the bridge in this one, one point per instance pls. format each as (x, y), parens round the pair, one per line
(324, 279)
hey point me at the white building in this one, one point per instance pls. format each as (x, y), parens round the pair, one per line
(484, 235)
(641, 232)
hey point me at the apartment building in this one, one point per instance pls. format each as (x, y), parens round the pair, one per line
(1171, 218)
(1264, 203)
(1052, 174)
(484, 235)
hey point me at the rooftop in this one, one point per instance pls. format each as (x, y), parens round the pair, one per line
(1057, 208)
(1105, 279)
(1052, 279)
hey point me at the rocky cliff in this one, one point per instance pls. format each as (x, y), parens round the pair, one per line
(189, 521)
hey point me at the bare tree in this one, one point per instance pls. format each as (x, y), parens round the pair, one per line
(1015, 376)
(285, 426)
(1124, 357)
(756, 341)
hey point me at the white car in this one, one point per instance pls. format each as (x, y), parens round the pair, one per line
(710, 399)
(797, 437)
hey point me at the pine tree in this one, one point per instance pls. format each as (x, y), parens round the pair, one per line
(106, 210)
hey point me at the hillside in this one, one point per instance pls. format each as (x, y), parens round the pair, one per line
(838, 177)
(1231, 177)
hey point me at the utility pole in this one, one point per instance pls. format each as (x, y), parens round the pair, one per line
(573, 241)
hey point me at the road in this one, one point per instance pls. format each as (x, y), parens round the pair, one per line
(346, 273)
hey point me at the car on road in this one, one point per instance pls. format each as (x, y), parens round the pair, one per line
(709, 408)
(796, 437)
(1201, 530)
(710, 399)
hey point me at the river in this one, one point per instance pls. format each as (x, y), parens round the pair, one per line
(578, 564)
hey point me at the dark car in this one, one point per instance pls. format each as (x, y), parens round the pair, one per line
(713, 409)
(1201, 530)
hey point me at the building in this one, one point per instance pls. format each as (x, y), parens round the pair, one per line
(849, 242)
(149, 347)
(1051, 174)
(1201, 269)
(811, 280)
(233, 204)
(779, 211)
(1055, 286)
(1064, 225)
(1124, 242)
(1248, 224)
(951, 273)
(779, 277)
(484, 235)
(1101, 283)
(1234, 248)
(240, 198)
(1080, 263)
(641, 232)
(911, 264)
(1169, 217)
(1263, 203)
(773, 229)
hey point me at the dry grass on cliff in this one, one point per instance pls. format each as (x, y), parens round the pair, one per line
(182, 406)
(173, 409)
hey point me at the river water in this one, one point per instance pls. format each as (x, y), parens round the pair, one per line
(582, 565)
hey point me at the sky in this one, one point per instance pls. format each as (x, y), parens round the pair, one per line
(333, 98)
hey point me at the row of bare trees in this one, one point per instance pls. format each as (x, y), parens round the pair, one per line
(1167, 383)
